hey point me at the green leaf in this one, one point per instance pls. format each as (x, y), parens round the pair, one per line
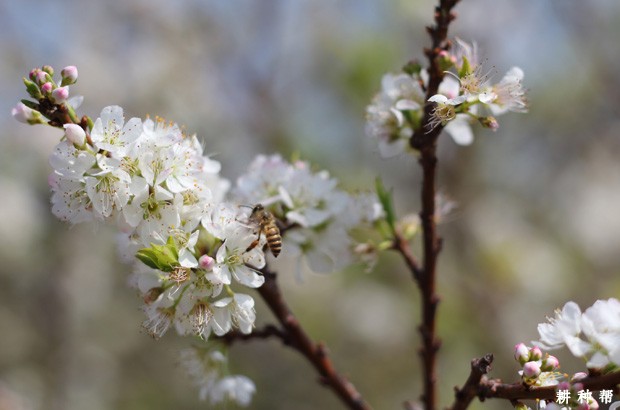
(31, 104)
(33, 89)
(162, 257)
(387, 203)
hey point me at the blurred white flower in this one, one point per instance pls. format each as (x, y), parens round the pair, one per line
(385, 116)
(593, 335)
(207, 368)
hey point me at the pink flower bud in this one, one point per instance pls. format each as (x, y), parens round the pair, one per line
(522, 353)
(550, 364)
(535, 353)
(41, 77)
(206, 262)
(531, 370)
(60, 94)
(25, 114)
(489, 122)
(75, 134)
(69, 75)
(46, 88)
(33, 74)
(589, 405)
(578, 376)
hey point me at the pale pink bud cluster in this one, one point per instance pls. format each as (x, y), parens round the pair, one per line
(536, 369)
(40, 84)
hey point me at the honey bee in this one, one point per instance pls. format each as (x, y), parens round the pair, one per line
(266, 224)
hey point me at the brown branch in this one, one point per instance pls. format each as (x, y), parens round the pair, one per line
(465, 395)
(58, 114)
(425, 141)
(494, 388)
(265, 333)
(298, 339)
(401, 246)
(477, 385)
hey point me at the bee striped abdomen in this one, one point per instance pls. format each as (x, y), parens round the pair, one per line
(274, 240)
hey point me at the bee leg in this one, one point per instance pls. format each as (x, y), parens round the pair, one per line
(254, 243)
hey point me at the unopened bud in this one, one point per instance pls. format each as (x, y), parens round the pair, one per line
(489, 122)
(41, 77)
(27, 115)
(578, 376)
(75, 134)
(46, 88)
(550, 364)
(531, 370)
(48, 69)
(413, 67)
(60, 94)
(535, 353)
(206, 262)
(590, 404)
(33, 74)
(69, 75)
(522, 353)
(446, 60)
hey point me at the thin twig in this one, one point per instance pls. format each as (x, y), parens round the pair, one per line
(465, 395)
(265, 333)
(299, 340)
(401, 246)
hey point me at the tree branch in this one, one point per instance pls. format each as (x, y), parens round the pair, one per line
(265, 333)
(494, 388)
(425, 141)
(464, 396)
(299, 340)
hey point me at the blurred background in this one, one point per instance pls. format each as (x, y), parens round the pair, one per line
(537, 221)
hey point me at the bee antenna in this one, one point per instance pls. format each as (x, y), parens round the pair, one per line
(246, 206)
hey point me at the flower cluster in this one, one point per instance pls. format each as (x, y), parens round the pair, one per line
(197, 244)
(593, 335)
(317, 216)
(465, 96)
(537, 370)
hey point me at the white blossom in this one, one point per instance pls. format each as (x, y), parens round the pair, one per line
(593, 335)
(111, 134)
